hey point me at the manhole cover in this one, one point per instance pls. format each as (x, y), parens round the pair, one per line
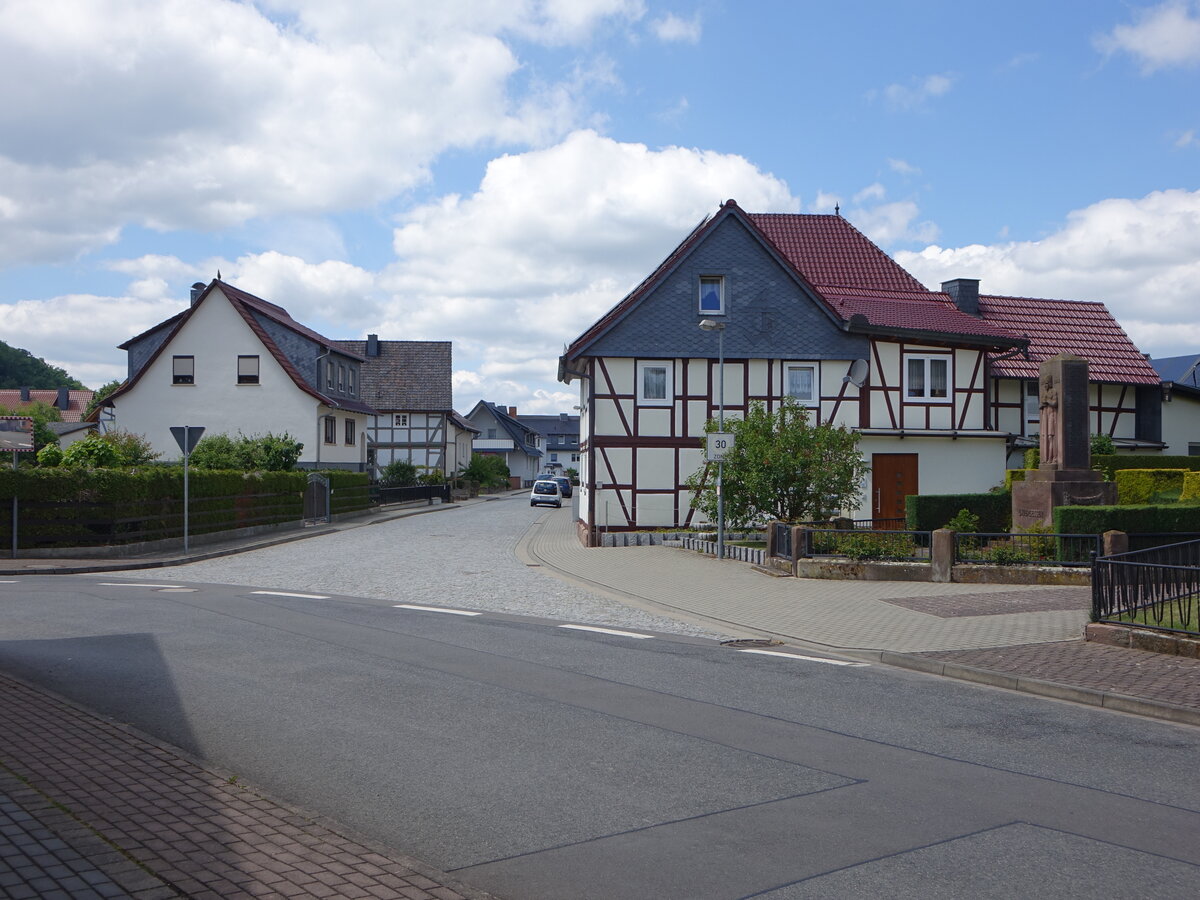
(752, 642)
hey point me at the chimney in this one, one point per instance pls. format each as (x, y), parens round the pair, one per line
(197, 290)
(965, 294)
(64, 398)
(372, 345)
(24, 395)
(562, 417)
(512, 411)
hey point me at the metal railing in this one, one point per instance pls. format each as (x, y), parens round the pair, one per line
(1026, 549)
(783, 540)
(1157, 588)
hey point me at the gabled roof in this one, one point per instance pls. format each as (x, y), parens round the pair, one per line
(246, 305)
(77, 401)
(841, 269)
(1084, 329)
(1182, 370)
(518, 432)
(406, 375)
(458, 420)
(548, 425)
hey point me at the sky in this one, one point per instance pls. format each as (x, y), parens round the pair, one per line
(499, 173)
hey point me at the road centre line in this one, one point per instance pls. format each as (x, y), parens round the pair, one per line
(137, 584)
(437, 609)
(832, 662)
(289, 594)
(632, 634)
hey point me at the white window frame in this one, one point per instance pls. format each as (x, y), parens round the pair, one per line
(668, 382)
(1030, 402)
(401, 420)
(928, 359)
(719, 280)
(815, 368)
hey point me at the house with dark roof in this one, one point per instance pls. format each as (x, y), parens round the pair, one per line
(807, 307)
(409, 384)
(1180, 379)
(232, 362)
(501, 433)
(560, 439)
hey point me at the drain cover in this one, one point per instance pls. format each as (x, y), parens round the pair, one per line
(752, 642)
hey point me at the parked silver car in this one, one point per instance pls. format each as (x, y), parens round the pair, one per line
(545, 493)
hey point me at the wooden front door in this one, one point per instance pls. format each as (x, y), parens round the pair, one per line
(893, 477)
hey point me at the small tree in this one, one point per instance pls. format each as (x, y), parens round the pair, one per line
(133, 449)
(264, 453)
(782, 467)
(487, 469)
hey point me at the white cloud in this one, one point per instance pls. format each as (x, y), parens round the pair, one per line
(915, 94)
(902, 167)
(1163, 36)
(874, 191)
(208, 113)
(1187, 139)
(892, 223)
(548, 243)
(825, 202)
(674, 29)
(1141, 257)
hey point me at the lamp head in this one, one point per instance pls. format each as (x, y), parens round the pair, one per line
(710, 325)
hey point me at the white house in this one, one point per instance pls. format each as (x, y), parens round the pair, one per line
(501, 434)
(805, 306)
(232, 362)
(1181, 403)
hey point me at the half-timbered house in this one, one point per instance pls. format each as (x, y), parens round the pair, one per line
(806, 306)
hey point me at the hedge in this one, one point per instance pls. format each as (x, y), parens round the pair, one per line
(87, 507)
(927, 512)
(1191, 486)
(1137, 486)
(1011, 475)
(1146, 519)
(1109, 464)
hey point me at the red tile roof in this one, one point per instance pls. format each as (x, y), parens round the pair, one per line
(914, 311)
(829, 251)
(77, 401)
(1067, 326)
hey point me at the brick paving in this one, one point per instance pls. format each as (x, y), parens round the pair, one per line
(1131, 673)
(998, 603)
(92, 809)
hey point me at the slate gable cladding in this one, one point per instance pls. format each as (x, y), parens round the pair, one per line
(767, 311)
(141, 349)
(406, 375)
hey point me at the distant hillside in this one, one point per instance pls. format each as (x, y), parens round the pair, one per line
(20, 368)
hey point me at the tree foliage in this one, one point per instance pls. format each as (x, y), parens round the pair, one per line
(259, 453)
(487, 469)
(101, 392)
(20, 368)
(93, 452)
(782, 467)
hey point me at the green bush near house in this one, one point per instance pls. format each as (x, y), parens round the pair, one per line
(863, 546)
(1110, 464)
(1011, 475)
(928, 512)
(1147, 519)
(1141, 486)
(1191, 487)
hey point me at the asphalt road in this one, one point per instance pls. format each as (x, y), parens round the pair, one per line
(537, 761)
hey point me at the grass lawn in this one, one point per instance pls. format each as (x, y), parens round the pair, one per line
(1170, 617)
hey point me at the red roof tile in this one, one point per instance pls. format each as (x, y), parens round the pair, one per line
(828, 250)
(914, 311)
(1081, 328)
(77, 401)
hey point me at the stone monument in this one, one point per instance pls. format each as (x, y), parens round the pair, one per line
(1064, 477)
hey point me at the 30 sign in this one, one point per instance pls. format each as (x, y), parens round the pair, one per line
(718, 445)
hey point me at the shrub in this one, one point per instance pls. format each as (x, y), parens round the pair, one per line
(49, 456)
(863, 546)
(925, 512)
(1110, 464)
(260, 453)
(92, 452)
(133, 449)
(1033, 458)
(1191, 487)
(964, 520)
(398, 473)
(487, 469)
(1148, 485)
(1175, 517)
(1101, 445)
(1011, 475)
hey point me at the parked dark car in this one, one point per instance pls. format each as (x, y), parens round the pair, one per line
(564, 483)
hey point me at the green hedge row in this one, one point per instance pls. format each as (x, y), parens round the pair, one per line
(1138, 486)
(87, 507)
(1191, 486)
(1110, 464)
(1145, 519)
(929, 512)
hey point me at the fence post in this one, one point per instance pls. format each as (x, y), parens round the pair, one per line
(941, 556)
(771, 538)
(1115, 542)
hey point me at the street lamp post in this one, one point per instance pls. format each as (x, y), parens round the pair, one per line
(719, 328)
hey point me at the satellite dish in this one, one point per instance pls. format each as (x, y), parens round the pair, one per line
(858, 373)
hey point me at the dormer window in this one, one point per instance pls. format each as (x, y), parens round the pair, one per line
(712, 295)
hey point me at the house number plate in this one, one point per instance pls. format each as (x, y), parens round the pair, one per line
(719, 445)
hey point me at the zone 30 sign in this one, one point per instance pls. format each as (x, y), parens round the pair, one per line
(718, 445)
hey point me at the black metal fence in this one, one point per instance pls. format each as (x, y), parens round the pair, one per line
(1149, 540)
(411, 494)
(783, 540)
(1157, 588)
(1025, 549)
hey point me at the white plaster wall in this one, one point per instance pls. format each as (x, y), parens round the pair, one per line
(216, 335)
(1181, 423)
(967, 465)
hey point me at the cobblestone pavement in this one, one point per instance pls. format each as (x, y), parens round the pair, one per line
(91, 809)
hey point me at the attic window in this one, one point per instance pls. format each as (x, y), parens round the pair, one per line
(183, 370)
(247, 372)
(341, 379)
(712, 295)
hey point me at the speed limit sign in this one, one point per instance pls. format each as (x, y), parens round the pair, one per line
(718, 445)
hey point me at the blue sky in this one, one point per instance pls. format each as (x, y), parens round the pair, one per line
(499, 173)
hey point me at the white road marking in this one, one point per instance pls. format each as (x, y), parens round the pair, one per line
(178, 590)
(137, 584)
(441, 609)
(289, 594)
(10, 582)
(632, 634)
(832, 662)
